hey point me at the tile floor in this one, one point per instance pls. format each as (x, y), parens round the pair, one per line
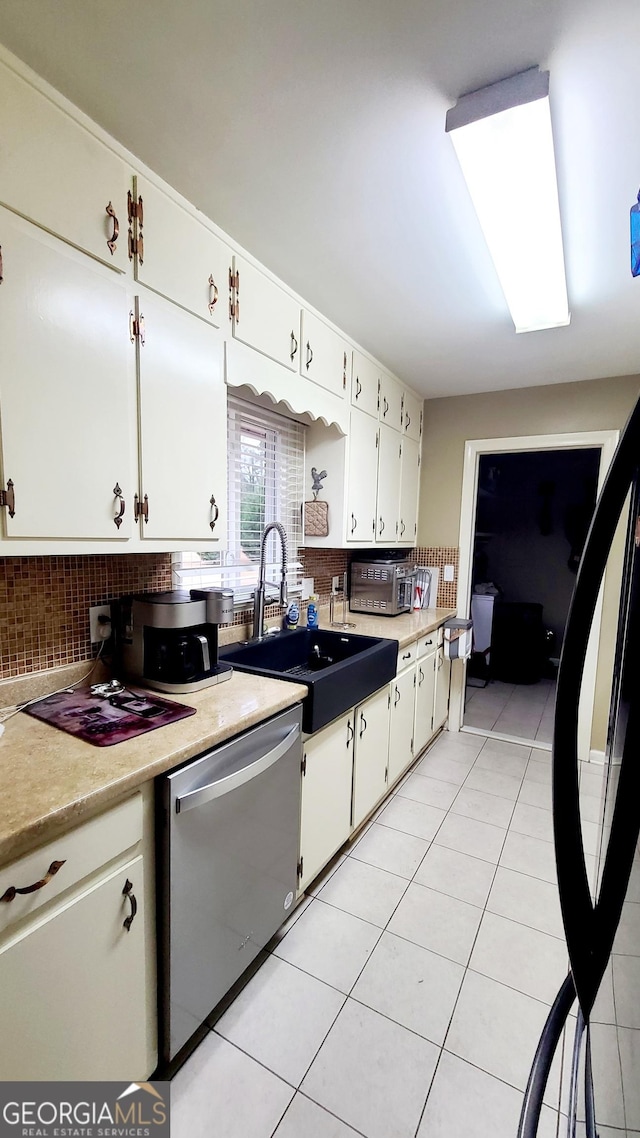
(521, 710)
(405, 995)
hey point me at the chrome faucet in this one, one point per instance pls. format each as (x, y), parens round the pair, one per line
(258, 595)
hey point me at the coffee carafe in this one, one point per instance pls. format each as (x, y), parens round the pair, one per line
(169, 641)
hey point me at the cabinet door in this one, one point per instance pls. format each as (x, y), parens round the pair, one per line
(365, 384)
(265, 316)
(323, 355)
(409, 486)
(326, 795)
(425, 689)
(67, 388)
(388, 500)
(72, 988)
(183, 423)
(182, 259)
(411, 415)
(58, 175)
(390, 409)
(371, 754)
(402, 691)
(362, 475)
(441, 701)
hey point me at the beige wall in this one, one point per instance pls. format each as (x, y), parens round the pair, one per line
(595, 405)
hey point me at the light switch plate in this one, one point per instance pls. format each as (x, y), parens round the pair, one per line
(449, 572)
(307, 588)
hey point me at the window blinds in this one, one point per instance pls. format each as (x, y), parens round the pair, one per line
(265, 484)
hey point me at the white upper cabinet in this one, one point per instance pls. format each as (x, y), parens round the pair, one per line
(388, 499)
(390, 409)
(57, 174)
(365, 384)
(362, 475)
(323, 354)
(179, 257)
(265, 316)
(409, 487)
(67, 390)
(411, 415)
(183, 424)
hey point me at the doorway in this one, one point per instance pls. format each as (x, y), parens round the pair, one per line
(605, 442)
(533, 510)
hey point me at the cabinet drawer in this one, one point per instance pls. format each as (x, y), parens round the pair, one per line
(82, 851)
(428, 643)
(406, 657)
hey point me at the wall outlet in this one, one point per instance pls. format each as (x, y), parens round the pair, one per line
(99, 629)
(336, 584)
(307, 588)
(449, 572)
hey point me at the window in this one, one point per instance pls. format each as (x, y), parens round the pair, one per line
(265, 483)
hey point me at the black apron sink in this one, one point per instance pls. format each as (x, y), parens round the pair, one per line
(339, 670)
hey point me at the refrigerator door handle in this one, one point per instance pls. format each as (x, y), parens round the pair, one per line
(578, 912)
(547, 1046)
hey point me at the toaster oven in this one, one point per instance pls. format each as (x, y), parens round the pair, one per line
(384, 586)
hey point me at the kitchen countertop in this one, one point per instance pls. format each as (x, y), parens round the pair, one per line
(52, 781)
(404, 628)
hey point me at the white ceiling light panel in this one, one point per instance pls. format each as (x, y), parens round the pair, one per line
(503, 139)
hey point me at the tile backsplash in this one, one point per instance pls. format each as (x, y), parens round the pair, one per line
(44, 601)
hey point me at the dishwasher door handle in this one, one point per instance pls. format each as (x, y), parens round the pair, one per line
(222, 786)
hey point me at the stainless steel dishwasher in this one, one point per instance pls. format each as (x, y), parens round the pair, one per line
(229, 825)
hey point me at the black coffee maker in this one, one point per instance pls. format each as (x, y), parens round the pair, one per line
(169, 641)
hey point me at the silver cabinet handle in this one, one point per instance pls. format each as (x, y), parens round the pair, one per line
(222, 786)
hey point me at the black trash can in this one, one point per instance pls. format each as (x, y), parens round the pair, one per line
(517, 642)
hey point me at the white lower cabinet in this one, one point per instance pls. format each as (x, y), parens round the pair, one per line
(425, 694)
(327, 775)
(402, 692)
(441, 699)
(371, 754)
(349, 765)
(72, 989)
(77, 952)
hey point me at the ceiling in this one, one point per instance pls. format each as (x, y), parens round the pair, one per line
(313, 133)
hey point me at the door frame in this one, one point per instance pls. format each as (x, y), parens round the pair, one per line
(606, 442)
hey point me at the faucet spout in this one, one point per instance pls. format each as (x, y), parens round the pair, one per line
(259, 592)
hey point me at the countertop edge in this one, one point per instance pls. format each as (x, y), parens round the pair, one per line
(92, 797)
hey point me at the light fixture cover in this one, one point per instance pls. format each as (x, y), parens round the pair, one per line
(503, 139)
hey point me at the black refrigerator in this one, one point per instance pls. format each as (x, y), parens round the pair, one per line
(593, 1028)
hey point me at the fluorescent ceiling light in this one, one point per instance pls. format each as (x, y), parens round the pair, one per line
(502, 136)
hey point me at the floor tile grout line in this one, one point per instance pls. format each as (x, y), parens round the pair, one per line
(466, 967)
(325, 1110)
(381, 930)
